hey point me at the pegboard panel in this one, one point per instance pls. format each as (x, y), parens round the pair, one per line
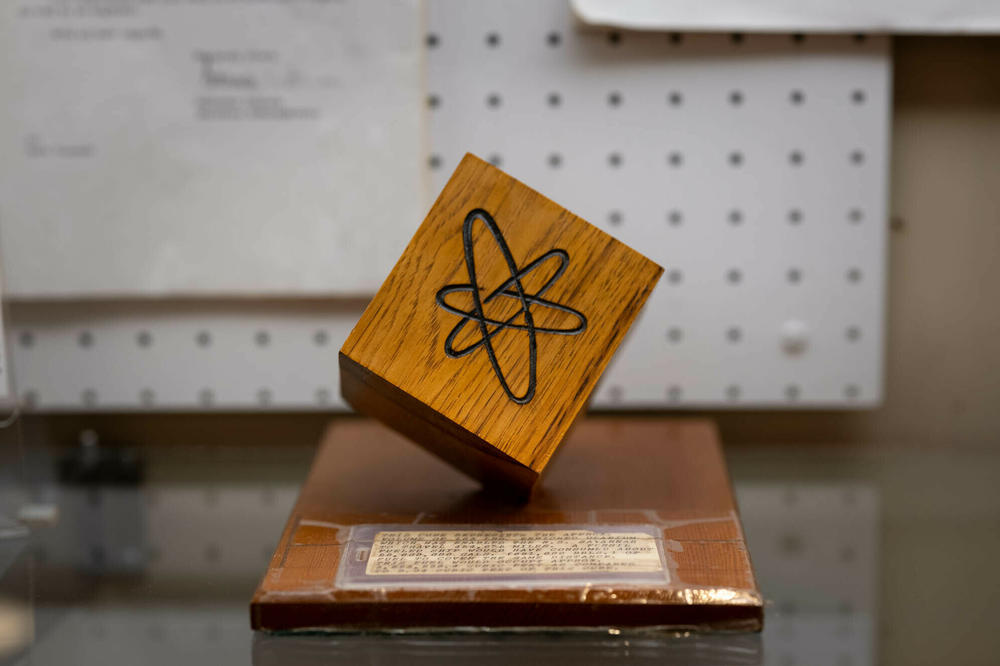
(180, 355)
(752, 167)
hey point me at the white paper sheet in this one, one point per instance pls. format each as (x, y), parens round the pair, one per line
(937, 16)
(244, 147)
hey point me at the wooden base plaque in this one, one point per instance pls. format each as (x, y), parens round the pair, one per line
(486, 340)
(636, 527)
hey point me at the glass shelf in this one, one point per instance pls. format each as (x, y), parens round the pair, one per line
(865, 556)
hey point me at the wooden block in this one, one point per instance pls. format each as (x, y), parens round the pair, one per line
(667, 476)
(487, 338)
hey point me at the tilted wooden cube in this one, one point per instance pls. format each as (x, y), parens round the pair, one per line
(490, 333)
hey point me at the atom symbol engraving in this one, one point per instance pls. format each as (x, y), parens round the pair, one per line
(511, 288)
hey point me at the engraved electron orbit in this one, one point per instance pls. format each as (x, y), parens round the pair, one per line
(511, 288)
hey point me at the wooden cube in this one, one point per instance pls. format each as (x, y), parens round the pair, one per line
(490, 333)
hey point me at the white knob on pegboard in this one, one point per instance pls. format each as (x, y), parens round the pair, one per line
(794, 337)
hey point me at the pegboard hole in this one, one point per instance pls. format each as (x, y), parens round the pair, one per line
(555, 160)
(30, 399)
(794, 275)
(795, 217)
(855, 216)
(615, 99)
(675, 98)
(433, 101)
(615, 160)
(852, 333)
(792, 393)
(206, 397)
(674, 393)
(734, 334)
(790, 544)
(735, 217)
(434, 161)
(736, 159)
(736, 98)
(432, 41)
(734, 276)
(85, 339)
(797, 97)
(796, 158)
(854, 275)
(493, 39)
(857, 157)
(675, 218)
(676, 38)
(675, 334)
(493, 101)
(675, 276)
(26, 339)
(616, 218)
(615, 38)
(675, 159)
(262, 338)
(554, 99)
(553, 39)
(733, 392)
(321, 337)
(858, 96)
(495, 159)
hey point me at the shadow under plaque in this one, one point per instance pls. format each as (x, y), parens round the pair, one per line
(634, 527)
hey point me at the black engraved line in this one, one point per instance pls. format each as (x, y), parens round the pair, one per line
(503, 290)
(526, 300)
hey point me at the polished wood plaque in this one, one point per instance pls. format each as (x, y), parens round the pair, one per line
(659, 477)
(489, 335)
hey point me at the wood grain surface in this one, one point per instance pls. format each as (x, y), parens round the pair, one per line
(665, 473)
(395, 366)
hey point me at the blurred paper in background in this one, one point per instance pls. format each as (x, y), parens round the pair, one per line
(207, 148)
(977, 16)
